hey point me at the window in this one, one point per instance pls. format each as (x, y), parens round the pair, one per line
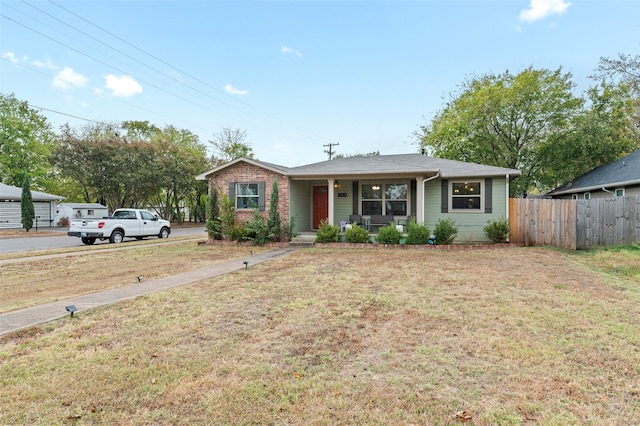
(387, 199)
(90, 212)
(574, 196)
(247, 196)
(587, 196)
(466, 196)
(147, 216)
(620, 192)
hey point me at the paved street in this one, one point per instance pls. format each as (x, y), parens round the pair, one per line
(13, 245)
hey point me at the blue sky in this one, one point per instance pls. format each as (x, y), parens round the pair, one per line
(296, 75)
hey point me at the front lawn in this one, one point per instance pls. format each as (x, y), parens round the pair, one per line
(330, 336)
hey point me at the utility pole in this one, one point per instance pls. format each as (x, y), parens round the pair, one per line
(330, 150)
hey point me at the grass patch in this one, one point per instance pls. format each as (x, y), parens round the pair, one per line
(38, 281)
(326, 336)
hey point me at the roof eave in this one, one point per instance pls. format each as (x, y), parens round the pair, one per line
(595, 187)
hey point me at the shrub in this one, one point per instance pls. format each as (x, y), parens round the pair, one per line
(446, 231)
(238, 233)
(388, 235)
(63, 222)
(213, 225)
(227, 216)
(417, 233)
(327, 233)
(356, 234)
(497, 230)
(257, 229)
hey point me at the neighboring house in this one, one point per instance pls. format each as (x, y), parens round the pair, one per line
(401, 186)
(616, 179)
(11, 214)
(80, 210)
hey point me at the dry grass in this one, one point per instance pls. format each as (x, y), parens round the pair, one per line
(21, 233)
(517, 336)
(39, 281)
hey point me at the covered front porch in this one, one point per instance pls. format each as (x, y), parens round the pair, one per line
(368, 201)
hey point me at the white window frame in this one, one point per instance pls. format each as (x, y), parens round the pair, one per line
(619, 189)
(586, 196)
(452, 196)
(256, 196)
(574, 196)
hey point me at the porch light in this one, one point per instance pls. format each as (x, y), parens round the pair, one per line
(336, 185)
(375, 187)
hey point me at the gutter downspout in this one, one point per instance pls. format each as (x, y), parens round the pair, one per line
(606, 190)
(437, 175)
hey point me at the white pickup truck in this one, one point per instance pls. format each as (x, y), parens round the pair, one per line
(124, 223)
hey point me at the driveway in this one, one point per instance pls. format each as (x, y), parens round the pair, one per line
(13, 245)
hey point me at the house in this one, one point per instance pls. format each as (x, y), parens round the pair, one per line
(399, 186)
(80, 210)
(616, 179)
(11, 214)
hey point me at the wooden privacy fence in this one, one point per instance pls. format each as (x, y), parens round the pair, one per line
(575, 224)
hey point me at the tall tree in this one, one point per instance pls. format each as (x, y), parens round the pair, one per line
(273, 222)
(601, 133)
(229, 144)
(26, 205)
(625, 69)
(26, 139)
(506, 120)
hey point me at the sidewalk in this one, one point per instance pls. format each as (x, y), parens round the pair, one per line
(28, 317)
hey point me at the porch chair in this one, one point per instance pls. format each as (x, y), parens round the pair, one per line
(356, 219)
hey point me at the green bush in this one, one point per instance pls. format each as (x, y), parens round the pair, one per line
(257, 229)
(388, 235)
(327, 233)
(417, 233)
(497, 230)
(356, 234)
(446, 231)
(238, 233)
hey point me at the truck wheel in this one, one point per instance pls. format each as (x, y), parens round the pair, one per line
(88, 240)
(164, 233)
(116, 237)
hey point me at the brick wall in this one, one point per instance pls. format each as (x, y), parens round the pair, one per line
(248, 173)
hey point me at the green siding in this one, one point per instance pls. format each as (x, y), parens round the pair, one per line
(470, 225)
(300, 205)
(342, 205)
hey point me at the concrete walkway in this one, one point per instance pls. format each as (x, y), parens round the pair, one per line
(28, 317)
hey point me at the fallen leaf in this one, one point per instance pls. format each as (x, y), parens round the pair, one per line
(74, 416)
(297, 376)
(463, 416)
(604, 398)
(92, 409)
(154, 355)
(66, 403)
(153, 381)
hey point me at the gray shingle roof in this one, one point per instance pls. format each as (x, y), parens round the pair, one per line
(622, 172)
(409, 164)
(14, 193)
(380, 165)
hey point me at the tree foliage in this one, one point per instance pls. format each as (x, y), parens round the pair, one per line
(26, 205)
(229, 144)
(26, 139)
(625, 70)
(133, 164)
(532, 122)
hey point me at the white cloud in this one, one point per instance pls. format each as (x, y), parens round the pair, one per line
(123, 87)
(233, 91)
(67, 78)
(45, 64)
(539, 9)
(285, 50)
(11, 57)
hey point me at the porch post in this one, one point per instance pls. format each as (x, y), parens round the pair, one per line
(330, 218)
(420, 199)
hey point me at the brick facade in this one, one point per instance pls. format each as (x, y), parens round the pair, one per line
(249, 173)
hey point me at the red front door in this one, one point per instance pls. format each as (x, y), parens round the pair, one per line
(320, 205)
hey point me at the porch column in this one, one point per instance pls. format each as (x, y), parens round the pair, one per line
(331, 197)
(420, 199)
